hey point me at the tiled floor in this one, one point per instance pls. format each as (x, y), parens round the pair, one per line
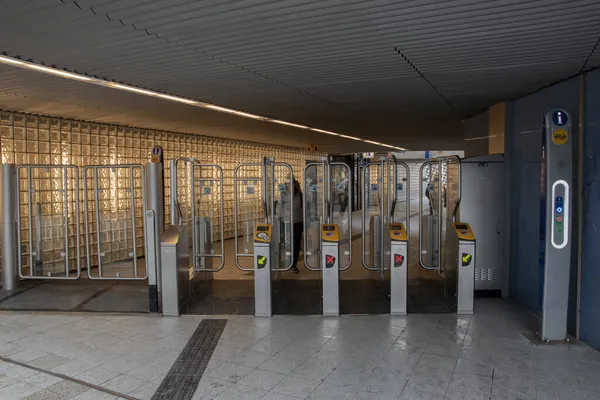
(372, 357)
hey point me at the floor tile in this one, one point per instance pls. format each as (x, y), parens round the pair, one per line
(72, 368)
(431, 376)
(250, 358)
(464, 394)
(330, 392)
(49, 361)
(417, 391)
(45, 395)
(42, 380)
(229, 372)
(68, 389)
(210, 387)
(437, 361)
(241, 392)
(95, 395)
(262, 379)
(511, 386)
(97, 375)
(476, 383)
(278, 396)
(476, 367)
(18, 390)
(144, 392)
(371, 396)
(280, 364)
(296, 387)
(558, 393)
(123, 384)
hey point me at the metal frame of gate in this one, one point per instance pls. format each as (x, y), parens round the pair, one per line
(131, 189)
(269, 214)
(441, 162)
(65, 191)
(388, 195)
(327, 208)
(197, 255)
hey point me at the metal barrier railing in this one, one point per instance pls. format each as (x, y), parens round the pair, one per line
(327, 206)
(125, 185)
(387, 178)
(437, 206)
(266, 177)
(198, 255)
(36, 260)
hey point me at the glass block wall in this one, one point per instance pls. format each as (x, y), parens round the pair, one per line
(33, 139)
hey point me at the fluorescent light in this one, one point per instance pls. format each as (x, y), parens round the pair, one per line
(231, 111)
(120, 86)
(280, 122)
(43, 68)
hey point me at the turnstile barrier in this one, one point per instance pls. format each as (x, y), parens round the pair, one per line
(270, 186)
(382, 189)
(114, 212)
(48, 213)
(327, 200)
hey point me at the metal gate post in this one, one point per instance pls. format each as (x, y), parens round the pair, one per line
(154, 225)
(8, 222)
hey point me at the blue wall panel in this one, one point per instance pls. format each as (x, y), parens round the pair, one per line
(590, 269)
(524, 157)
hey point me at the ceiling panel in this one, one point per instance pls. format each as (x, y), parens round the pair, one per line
(364, 68)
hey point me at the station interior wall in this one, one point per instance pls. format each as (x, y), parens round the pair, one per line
(476, 141)
(590, 263)
(522, 163)
(33, 139)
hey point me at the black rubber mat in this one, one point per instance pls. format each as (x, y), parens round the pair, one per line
(365, 296)
(297, 297)
(427, 297)
(182, 380)
(222, 297)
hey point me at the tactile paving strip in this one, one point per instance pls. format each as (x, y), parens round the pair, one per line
(181, 381)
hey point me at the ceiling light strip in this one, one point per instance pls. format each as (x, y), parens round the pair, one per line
(119, 86)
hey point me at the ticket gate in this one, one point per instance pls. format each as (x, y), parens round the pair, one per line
(268, 245)
(197, 203)
(384, 236)
(446, 244)
(328, 226)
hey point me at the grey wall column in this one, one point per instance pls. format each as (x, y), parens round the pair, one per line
(155, 225)
(557, 258)
(8, 223)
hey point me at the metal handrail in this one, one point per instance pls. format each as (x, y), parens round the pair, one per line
(176, 214)
(235, 212)
(408, 200)
(364, 214)
(392, 197)
(327, 206)
(304, 218)
(95, 168)
(349, 210)
(421, 194)
(440, 161)
(288, 166)
(29, 168)
(195, 254)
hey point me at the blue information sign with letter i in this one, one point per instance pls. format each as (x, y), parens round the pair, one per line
(560, 118)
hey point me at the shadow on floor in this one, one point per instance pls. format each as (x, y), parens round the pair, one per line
(78, 295)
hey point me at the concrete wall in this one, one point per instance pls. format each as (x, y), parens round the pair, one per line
(476, 135)
(590, 268)
(523, 158)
